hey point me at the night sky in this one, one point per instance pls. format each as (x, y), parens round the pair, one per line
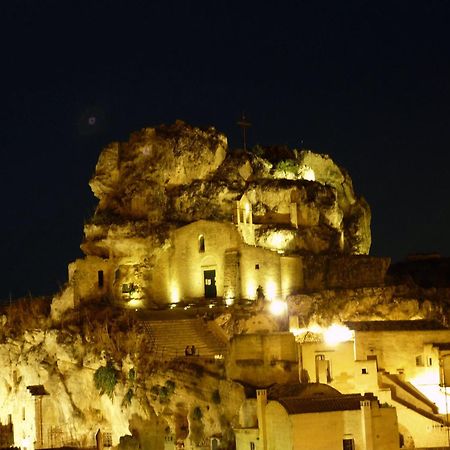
(366, 82)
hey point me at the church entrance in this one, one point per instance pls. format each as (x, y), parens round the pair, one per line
(209, 277)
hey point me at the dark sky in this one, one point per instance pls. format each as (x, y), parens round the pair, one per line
(366, 82)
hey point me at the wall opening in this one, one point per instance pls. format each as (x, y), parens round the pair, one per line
(201, 244)
(100, 278)
(348, 444)
(209, 280)
(323, 369)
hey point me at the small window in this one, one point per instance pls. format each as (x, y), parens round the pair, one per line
(430, 362)
(252, 446)
(107, 439)
(419, 360)
(364, 371)
(348, 444)
(100, 278)
(256, 266)
(201, 244)
(127, 288)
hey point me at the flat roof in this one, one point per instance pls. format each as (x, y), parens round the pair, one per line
(396, 325)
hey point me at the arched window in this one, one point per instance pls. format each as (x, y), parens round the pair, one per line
(201, 244)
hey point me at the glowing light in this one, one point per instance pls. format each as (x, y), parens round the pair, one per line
(133, 303)
(336, 334)
(229, 301)
(218, 356)
(307, 173)
(277, 240)
(277, 307)
(251, 289)
(271, 290)
(174, 293)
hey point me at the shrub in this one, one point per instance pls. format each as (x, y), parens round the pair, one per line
(216, 397)
(128, 397)
(170, 385)
(197, 413)
(163, 394)
(287, 166)
(105, 379)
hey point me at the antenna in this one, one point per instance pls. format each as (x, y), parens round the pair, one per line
(244, 124)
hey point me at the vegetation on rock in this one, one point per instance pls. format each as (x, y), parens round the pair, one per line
(105, 379)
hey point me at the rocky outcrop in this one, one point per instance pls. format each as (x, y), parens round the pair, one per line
(102, 371)
(398, 302)
(180, 174)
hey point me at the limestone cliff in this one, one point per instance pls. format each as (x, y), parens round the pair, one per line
(179, 174)
(100, 371)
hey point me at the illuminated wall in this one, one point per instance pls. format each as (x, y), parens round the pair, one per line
(326, 430)
(263, 359)
(178, 273)
(84, 275)
(187, 259)
(409, 356)
(341, 363)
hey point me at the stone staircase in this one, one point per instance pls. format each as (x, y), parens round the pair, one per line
(172, 336)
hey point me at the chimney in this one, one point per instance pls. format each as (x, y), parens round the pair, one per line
(261, 402)
(366, 423)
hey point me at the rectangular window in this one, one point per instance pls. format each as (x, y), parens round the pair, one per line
(107, 439)
(430, 362)
(252, 446)
(419, 361)
(364, 371)
(348, 444)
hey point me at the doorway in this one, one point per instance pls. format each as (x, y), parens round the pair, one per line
(209, 278)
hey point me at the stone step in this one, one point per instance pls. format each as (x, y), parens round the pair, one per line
(171, 337)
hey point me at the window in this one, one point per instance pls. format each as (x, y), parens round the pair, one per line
(201, 244)
(364, 371)
(256, 266)
(348, 444)
(100, 278)
(127, 288)
(107, 439)
(419, 360)
(430, 362)
(252, 446)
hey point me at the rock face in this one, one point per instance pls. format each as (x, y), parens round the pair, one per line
(164, 179)
(101, 373)
(178, 173)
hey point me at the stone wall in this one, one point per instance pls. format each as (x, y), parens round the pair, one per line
(336, 272)
(263, 359)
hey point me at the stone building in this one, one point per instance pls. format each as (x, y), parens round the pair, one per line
(317, 418)
(404, 363)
